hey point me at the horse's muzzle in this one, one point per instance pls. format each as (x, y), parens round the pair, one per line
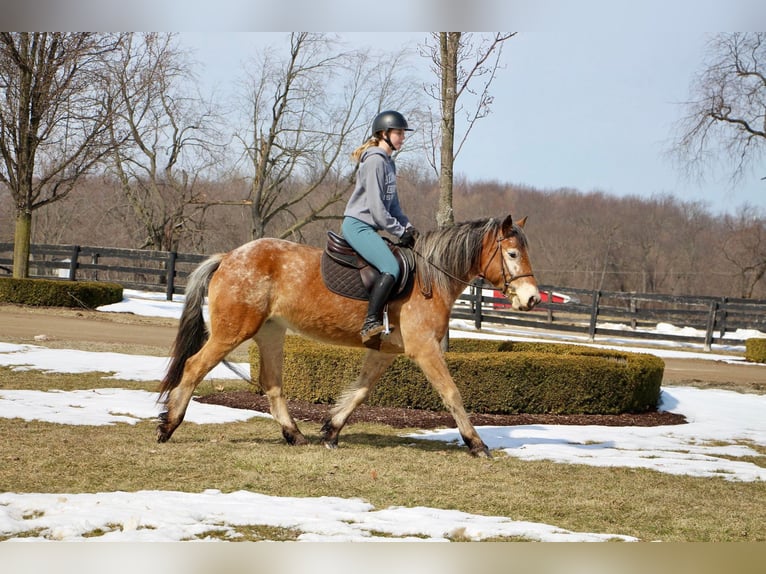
(525, 298)
(533, 301)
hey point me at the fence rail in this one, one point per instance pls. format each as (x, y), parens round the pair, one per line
(132, 268)
(704, 320)
(701, 320)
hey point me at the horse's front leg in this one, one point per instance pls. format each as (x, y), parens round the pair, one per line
(375, 364)
(431, 361)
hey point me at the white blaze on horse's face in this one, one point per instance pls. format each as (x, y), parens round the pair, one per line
(522, 289)
(520, 284)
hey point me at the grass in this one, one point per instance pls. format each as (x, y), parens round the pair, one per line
(374, 463)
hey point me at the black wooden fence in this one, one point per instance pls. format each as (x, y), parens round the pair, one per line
(132, 268)
(704, 320)
(700, 320)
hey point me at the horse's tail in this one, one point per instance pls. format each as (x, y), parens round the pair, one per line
(192, 332)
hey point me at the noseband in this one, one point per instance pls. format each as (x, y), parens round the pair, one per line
(508, 277)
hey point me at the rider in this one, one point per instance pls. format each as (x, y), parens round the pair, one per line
(373, 207)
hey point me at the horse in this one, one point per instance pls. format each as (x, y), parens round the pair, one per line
(261, 289)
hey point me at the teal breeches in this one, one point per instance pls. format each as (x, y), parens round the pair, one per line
(370, 245)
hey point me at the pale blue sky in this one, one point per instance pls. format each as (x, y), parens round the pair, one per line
(587, 100)
(591, 109)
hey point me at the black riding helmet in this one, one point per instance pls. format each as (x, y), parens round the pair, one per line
(389, 120)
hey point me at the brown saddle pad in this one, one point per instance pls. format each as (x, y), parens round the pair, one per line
(345, 273)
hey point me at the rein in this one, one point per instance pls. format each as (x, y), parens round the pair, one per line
(428, 291)
(508, 278)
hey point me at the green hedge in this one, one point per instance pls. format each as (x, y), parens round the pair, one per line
(493, 377)
(53, 293)
(755, 350)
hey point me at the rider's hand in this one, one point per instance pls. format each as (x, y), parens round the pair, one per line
(409, 237)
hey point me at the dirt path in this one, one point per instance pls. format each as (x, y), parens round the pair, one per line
(18, 324)
(123, 332)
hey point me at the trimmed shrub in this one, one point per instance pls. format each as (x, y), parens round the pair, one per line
(493, 377)
(755, 350)
(53, 293)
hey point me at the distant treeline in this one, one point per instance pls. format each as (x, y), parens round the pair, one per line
(579, 240)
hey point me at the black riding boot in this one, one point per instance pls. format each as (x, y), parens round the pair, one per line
(373, 324)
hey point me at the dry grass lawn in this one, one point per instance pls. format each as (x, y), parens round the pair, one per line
(374, 463)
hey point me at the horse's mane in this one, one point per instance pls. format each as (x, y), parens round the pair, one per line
(449, 254)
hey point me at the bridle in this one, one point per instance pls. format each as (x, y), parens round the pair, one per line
(508, 277)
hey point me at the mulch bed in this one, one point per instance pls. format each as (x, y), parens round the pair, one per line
(423, 419)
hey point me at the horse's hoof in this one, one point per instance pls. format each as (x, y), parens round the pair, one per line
(162, 431)
(329, 435)
(294, 438)
(162, 436)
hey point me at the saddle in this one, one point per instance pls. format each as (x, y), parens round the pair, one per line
(346, 273)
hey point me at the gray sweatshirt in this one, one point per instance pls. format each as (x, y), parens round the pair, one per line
(375, 199)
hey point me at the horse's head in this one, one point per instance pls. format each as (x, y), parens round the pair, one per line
(506, 264)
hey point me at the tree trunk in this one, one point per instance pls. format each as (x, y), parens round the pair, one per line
(449, 46)
(21, 242)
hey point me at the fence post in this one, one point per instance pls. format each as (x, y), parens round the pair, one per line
(594, 315)
(550, 302)
(73, 262)
(722, 316)
(710, 325)
(633, 311)
(170, 272)
(94, 261)
(476, 289)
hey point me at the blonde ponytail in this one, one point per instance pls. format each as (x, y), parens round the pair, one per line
(357, 153)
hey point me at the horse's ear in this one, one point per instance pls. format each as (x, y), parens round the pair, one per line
(507, 227)
(522, 221)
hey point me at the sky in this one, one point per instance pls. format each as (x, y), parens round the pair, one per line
(714, 443)
(593, 108)
(587, 99)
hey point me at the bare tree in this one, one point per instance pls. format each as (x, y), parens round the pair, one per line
(308, 111)
(726, 117)
(460, 61)
(52, 120)
(745, 249)
(163, 136)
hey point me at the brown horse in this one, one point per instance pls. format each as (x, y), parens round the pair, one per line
(267, 286)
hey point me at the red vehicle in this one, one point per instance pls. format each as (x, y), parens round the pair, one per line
(545, 296)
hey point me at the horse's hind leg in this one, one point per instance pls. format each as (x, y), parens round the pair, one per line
(270, 339)
(374, 366)
(197, 366)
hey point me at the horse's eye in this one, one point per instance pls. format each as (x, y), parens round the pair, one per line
(513, 254)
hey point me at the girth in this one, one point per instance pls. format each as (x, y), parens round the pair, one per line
(346, 273)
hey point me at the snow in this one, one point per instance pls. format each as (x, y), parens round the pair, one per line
(105, 407)
(167, 516)
(694, 449)
(660, 348)
(147, 304)
(722, 428)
